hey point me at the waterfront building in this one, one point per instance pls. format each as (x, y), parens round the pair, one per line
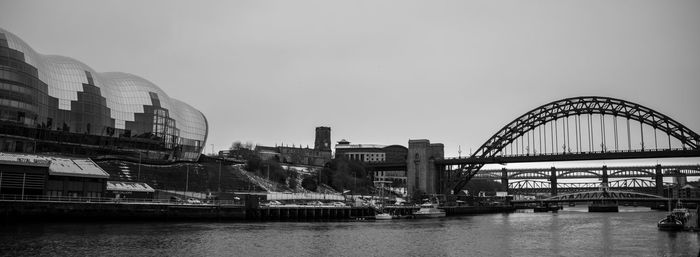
(35, 175)
(51, 103)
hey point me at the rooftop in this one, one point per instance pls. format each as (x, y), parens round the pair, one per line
(350, 146)
(58, 166)
(126, 186)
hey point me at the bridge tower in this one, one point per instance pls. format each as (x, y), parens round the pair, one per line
(422, 174)
(553, 181)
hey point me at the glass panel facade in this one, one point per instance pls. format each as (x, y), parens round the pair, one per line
(56, 98)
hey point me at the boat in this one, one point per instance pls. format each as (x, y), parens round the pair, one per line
(381, 213)
(670, 222)
(429, 210)
(382, 216)
(675, 220)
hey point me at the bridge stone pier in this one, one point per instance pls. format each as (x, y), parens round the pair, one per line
(504, 179)
(553, 180)
(422, 173)
(659, 178)
(604, 176)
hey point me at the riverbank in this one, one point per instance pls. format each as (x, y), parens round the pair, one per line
(23, 210)
(116, 211)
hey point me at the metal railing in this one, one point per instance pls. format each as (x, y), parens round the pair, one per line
(67, 199)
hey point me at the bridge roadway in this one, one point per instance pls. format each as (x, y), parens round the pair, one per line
(579, 156)
(634, 199)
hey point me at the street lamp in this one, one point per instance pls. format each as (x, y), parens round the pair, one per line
(416, 161)
(138, 175)
(187, 180)
(219, 176)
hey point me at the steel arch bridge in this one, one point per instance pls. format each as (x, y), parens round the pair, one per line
(632, 184)
(536, 136)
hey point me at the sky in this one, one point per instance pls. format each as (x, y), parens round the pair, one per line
(379, 72)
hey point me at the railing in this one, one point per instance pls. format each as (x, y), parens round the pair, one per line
(574, 153)
(43, 198)
(304, 196)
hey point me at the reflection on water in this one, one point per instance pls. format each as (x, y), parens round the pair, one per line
(572, 232)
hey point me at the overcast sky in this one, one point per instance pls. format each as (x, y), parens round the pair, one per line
(379, 72)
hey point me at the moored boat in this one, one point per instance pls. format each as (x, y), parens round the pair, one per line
(429, 210)
(381, 213)
(675, 220)
(383, 216)
(670, 222)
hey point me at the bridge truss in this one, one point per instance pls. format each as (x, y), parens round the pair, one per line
(632, 184)
(606, 195)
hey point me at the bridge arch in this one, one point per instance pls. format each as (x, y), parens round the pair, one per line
(515, 175)
(563, 174)
(576, 106)
(651, 174)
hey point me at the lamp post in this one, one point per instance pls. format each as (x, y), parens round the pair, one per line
(138, 175)
(187, 180)
(416, 161)
(219, 176)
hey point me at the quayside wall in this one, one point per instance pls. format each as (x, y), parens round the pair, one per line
(135, 211)
(81, 211)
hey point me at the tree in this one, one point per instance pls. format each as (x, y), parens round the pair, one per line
(487, 185)
(342, 174)
(309, 184)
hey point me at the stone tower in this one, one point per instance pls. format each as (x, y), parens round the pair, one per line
(323, 139)
(422, 175)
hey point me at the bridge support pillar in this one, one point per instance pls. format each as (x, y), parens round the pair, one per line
(604, 182)
(504, 179)
(553, 181)
(422, 173)
(659, 179)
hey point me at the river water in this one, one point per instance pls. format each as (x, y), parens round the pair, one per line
(571, 232)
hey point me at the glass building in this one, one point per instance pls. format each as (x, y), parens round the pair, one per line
(52, 103)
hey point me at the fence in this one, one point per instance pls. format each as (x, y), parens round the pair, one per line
(304, 196)
(42, 198)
